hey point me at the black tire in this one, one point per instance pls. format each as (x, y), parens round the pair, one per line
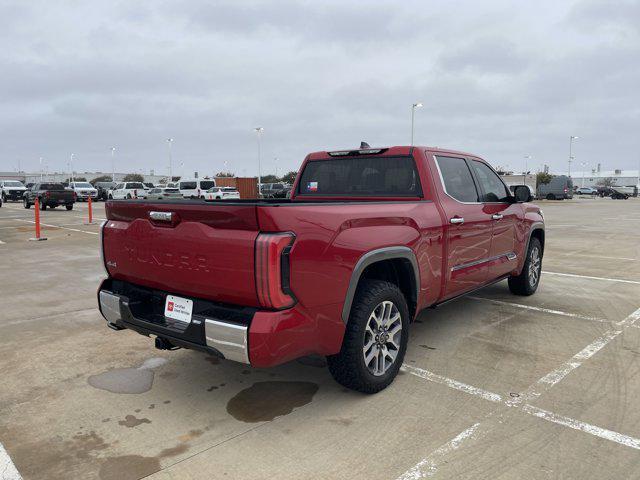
(527, 282)
(348, 366)
(110, 197)
(4, 198)
(551, 196)
(43, 206)
(128, 196)
(69, 207)
(26, 203)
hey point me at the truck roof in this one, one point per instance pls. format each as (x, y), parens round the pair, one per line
(389, 151)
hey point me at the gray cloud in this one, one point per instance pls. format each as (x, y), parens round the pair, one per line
(498, 79)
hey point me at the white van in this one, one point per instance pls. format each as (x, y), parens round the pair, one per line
(195, 188)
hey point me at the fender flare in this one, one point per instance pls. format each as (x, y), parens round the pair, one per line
(371, 257)
(534, 226)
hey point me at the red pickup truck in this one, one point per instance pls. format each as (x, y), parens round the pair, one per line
(368, 239)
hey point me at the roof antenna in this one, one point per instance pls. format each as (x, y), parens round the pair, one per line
(364, 145)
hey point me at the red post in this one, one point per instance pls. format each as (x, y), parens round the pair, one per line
(90, 211)
(37, 206)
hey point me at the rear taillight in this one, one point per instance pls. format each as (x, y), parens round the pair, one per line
(272, 270)
(565, 190)
(48, 194)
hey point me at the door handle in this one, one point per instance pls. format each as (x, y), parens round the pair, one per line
(457, 220)
(497, 216)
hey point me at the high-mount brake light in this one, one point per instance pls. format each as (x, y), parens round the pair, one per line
(353, 153)
(272, 270)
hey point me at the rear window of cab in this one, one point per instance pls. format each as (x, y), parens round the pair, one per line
(383, 176)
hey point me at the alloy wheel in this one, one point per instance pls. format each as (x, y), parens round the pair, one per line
(534, 266)
(382, 338)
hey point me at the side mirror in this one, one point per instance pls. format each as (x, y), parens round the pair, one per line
(522, 193)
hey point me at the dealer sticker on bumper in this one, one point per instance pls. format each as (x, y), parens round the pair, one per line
(178, 308)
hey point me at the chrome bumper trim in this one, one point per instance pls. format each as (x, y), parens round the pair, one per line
(228, 338)
(110, 307)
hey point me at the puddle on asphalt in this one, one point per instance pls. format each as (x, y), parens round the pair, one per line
(264, 401)
(127, 380)
(136, 466)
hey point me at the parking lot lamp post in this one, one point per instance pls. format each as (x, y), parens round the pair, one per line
(571, 139)
(413, 114)
(524, 175)
(170, 142)
(71, 167)
(259, 131)
(41, 169)
(113, 164)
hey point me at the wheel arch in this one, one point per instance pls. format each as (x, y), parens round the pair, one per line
(397, 265)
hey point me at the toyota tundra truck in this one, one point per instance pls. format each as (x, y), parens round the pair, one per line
(368, 240)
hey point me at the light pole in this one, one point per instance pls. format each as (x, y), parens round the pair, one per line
(413, 114)
(40, 169)
(259, 131)
(71, 167)
(275, 160)
(170, 142)
(524, 175)
(113, 164)
(571, 139)
(584, 164)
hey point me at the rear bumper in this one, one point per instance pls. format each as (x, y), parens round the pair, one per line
(260, 338)
(219, 330)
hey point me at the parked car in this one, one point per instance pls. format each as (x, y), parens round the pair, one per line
(163, 194)
(148, 185)
(559, 188)
(49, 195)
(84, 190)
(619, 194)
(11, 190)
(586, 191)
(222, 193)
(103, 189)
(274, 190)
(127, 190)
(195, 188)
(341, 269)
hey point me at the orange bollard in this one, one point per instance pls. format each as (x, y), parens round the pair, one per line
(90, 212)
(37, 238)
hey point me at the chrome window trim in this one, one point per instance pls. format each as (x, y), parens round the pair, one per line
(444, 187)
(510, 256)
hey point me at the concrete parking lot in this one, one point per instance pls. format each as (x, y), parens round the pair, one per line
(493, 386)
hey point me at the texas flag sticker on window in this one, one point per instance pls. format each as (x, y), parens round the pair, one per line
(312, 186)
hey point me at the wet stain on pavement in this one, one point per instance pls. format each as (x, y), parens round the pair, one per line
(128, 467)
(123, 380)
(169, 375)
(341, 421)
(212, 388)
(213, 360)
(264, 401)
(313, 361)
(427, 347)
(131, 421)
(193, 434)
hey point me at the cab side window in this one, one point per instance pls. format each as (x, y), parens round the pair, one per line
(457, 179)
(494, 189)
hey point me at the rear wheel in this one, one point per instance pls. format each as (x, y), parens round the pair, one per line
(551, 196)
(26, 203)
(69, 207)
(527, 282)
(375, 338)
(43, 206)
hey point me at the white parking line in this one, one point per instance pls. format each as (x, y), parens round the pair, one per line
(600, 256)
(592, 278)
(449, 382)
(57, 226)
(540, 309)
(428, 466)
(8, 470)
(616, 437)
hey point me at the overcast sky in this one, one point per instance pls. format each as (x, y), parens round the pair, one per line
(501, 79)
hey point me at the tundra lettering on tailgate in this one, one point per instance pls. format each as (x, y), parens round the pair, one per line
(182, 260)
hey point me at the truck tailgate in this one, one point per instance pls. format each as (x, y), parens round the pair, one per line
(206, 250)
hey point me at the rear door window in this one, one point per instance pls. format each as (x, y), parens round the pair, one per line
(207, 184)
(493, 188)
(187, 185)
(361, 176)
(457, 179)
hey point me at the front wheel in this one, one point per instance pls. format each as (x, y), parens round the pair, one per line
(375, 339)
(69, 207)
(527, 282)
(26, 203)
(43, 206)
